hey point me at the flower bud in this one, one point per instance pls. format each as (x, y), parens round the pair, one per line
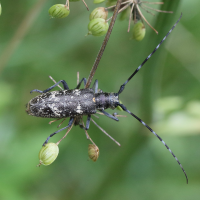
(59, 11)
(97, 27)
(99, 12)
(48, 153)
(98, 1)
(93, 152)
(139, 31)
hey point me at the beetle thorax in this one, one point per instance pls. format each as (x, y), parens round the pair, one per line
(106, 100)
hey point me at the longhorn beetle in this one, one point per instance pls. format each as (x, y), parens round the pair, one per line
(78, 102)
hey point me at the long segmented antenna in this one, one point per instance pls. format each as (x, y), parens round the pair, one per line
(135, 72)
(126, 110)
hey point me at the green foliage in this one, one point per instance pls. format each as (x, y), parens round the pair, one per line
(141, 168)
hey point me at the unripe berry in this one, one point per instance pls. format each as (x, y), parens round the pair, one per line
(99, 12)
(48, 153)
(139, 31)
(93, 152)
(98, 27)
(59, 11)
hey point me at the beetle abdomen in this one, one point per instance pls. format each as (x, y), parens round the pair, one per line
(61, 104)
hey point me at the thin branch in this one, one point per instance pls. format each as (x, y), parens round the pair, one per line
(109, 19)
(96, 63)
(163, 11)
(54, 121)
(77, 78)
(67, 4)
(145, 19)
(147, 10)
(85, 5)
(61, 122)
(55, 82)
(87, 135)
(125, 7)
(106, 133)
(68, 130)
(151, 2)
(111, 7)
(130, 16)
(125, 2)
(95, 116)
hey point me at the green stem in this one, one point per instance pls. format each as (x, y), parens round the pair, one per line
(100, 54)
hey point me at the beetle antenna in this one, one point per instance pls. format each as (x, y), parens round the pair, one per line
(125, 109)
(135, 72)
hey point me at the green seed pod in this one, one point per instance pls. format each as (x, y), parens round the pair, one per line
(59, 11)
(93, 152)
(139, 31)
(98, 27)
(48, 153)
(98, 1)
(99, 12)
(0, 9)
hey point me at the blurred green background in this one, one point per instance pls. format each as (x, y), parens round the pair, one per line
(165, 94)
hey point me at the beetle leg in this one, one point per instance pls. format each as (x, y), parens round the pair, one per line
(82, 80)
(36, 90)
(69, 124)
(53, 86)
(109, 115)
(95, 86)
(55, 82)
(87, 123)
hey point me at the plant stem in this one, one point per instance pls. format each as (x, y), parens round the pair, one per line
(96, 63)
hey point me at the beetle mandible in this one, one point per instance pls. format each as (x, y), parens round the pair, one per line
(78, 102)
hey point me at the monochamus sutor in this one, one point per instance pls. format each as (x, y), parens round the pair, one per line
(78, 102)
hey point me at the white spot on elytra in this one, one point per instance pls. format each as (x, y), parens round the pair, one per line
(77, 92)
(78, 109)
